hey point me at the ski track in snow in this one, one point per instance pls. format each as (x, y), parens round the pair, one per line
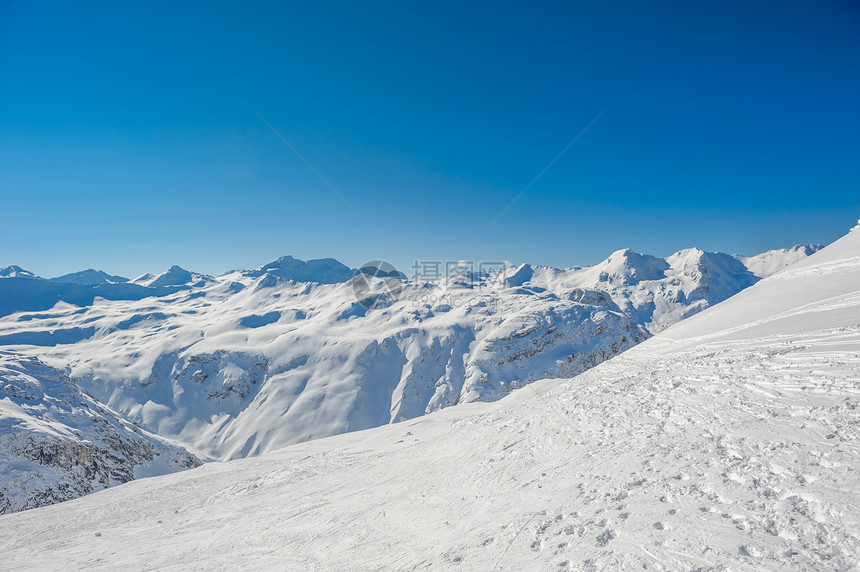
(730, 441)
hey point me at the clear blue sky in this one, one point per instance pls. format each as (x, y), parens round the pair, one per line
(129, 141)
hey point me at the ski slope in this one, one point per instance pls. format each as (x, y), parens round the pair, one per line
(728, 441)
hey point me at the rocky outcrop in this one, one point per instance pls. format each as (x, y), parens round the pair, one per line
(58, 443)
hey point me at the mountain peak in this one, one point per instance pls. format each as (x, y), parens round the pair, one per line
(628, 267)
(173, 276)
(14, 271)
(90, 277)
(320, 270)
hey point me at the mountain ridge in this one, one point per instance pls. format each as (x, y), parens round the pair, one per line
(305, 269)
(249, 361)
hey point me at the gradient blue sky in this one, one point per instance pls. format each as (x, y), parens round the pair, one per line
(129, 142)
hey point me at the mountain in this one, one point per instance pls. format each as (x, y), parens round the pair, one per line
(23, 291)
(173, 276)
(658, 292)
(252, 361)
(33, 294)
(58, 443)
(726, 442)
(321, 271)
(770, 262)
(90, 276)
(17, 272)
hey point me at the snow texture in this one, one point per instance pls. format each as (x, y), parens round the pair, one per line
(57, 443)
(252, 361)
(729, 441)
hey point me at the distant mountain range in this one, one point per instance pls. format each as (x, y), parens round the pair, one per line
(81, 288)
(90, 277)
(250, 361)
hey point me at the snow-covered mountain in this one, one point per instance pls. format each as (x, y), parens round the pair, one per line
(252, 361)
(321, 271)
(58, 443)
(770, 262)
(16, 272)
(728, 441)
(90, 276)
(173, 276)
(24, 291)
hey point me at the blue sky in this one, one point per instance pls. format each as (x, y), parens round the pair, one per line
(129, 139)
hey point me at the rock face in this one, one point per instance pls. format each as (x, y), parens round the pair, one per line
(58, 443)
(255, 360)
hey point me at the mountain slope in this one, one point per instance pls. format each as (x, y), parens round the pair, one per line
(57, 443)
(255, 360)
(729, 441)
(772, 261)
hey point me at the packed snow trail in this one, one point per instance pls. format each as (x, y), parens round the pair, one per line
(729, 441)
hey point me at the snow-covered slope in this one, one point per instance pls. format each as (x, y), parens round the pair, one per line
(57, 443)
(729, 441)
(20, 293)
(658, 292)
(255, 360)
(772, 261)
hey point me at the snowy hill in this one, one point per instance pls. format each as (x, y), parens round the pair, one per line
(57, 443)
(252, 361)
(728, 441)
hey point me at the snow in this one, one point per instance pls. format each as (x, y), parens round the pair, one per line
(772, 261)
(57, 443)
(728, 441)
(322, 271)
(90, 276)
(16, 272)
(173, 276)
(251, 361)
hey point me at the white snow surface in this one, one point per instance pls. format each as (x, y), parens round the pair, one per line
(730, 441)
(252, 361)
